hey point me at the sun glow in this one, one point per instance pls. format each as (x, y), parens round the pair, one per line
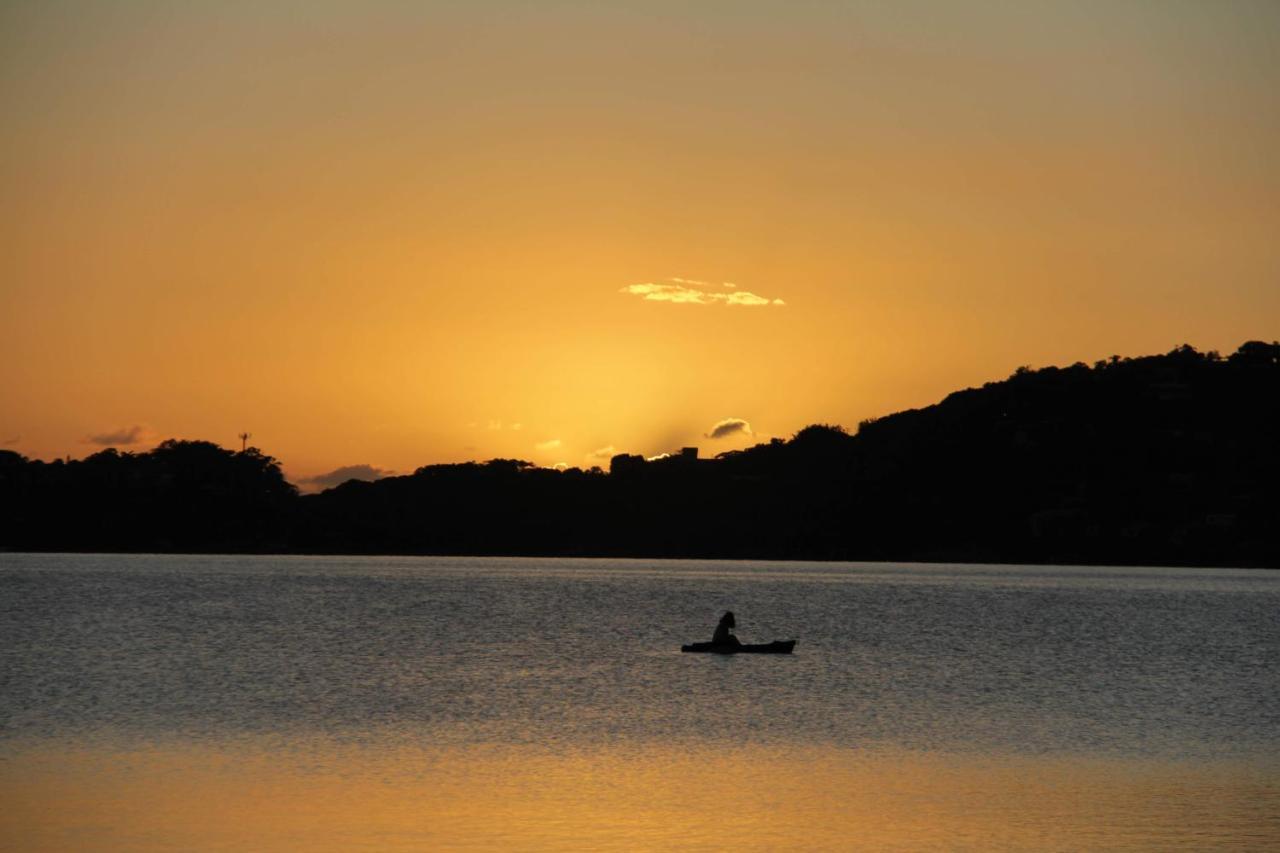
(218, 219)
(330, 797)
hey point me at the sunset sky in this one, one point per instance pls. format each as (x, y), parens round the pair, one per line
(393, 234)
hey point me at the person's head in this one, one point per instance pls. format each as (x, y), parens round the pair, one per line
(727, 619)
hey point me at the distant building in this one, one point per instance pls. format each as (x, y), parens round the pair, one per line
(664, 464)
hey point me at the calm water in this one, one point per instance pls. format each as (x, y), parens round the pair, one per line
(303, 702)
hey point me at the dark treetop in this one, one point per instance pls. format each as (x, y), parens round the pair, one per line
(1163, 460)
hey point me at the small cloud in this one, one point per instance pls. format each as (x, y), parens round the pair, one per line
(9, 442)
(495, 425)
(730, 427)
(668, 293)
(656, 458)
(338, 476)
(678, 291)
(693, 281)
(745, 297)
(549, 444)
(729, 285)
(602, 454)
(516, 427)
(135, 434)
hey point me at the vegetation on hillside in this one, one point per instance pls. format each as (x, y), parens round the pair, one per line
(1169, 460)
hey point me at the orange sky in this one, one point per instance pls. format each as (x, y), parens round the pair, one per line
(384, 233)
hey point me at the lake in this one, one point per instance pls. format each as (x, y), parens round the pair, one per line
(334, 703)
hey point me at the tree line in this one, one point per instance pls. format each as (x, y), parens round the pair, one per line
(1161, 460)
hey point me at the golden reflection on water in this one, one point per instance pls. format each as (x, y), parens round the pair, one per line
(659, 797)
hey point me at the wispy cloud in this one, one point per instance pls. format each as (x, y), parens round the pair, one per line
(684, 291)
(549, 444)
(730, 427)
(338, 476)
(136, 434)
(602, 454)
(9, 442)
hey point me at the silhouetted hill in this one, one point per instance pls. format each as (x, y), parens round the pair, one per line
(180, 496)
(1163, 460)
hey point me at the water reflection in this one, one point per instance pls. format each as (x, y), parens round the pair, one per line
(261, 703)
(328, 796)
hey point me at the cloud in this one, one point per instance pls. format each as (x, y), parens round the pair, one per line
(744, 297)
(135, 434)
(668, 293)
(730, 427)
(658, 457)
(497, 426)
(549, 444)
(678, 291)
(602, 454)
(9, 442)
(338, 476)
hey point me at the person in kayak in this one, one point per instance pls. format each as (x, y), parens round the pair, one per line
(724, 631)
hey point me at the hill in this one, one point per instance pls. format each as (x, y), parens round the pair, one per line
(1161, 460)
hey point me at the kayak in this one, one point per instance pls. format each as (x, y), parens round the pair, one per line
(777, 647)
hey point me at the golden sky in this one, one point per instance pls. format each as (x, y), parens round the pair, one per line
(391, 234)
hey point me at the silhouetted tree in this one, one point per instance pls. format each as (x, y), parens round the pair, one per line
(1168, 460)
